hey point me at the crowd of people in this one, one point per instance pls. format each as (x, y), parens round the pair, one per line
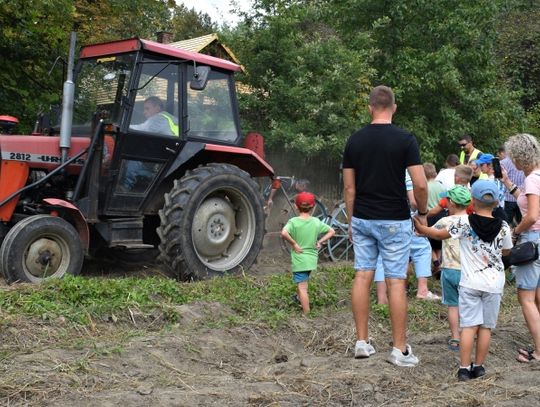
(473, 212)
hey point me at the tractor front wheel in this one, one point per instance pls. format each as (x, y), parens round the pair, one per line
(40, 247)
(212, 223)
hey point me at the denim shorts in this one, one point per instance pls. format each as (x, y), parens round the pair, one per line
(300, 276)
(421, 256)
(389, 239)
(450, 286)
(478, 308)
(528, 275)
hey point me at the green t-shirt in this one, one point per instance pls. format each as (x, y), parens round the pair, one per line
(434, 193)
(305, 232)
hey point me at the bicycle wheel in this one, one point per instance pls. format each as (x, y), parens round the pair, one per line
(319, 212)
(339, 246)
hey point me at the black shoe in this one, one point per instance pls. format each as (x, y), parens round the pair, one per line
(295, 299)
(477, 371)
(463, 374)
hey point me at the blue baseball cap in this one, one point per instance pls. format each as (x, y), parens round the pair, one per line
(485, 191)
(484, 159)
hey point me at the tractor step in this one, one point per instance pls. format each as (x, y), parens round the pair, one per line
(125, 232)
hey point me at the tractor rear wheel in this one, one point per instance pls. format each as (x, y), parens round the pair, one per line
(212, 223)
(40, 247)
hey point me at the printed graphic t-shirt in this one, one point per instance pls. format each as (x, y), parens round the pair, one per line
(305, 232)
(481, 263)
(450, 247)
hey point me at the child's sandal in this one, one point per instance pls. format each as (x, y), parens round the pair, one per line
(453, 344)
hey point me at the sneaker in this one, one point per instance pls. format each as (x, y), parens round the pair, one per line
(477, 371)
(363, 349)
(399, 359)
(463, 374)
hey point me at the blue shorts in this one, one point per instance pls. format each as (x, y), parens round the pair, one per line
(420, 255)
(528, 275)
(389, 239)
(450, 286)
(300, 276)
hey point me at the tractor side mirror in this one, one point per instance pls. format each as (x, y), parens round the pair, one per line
(200, 78)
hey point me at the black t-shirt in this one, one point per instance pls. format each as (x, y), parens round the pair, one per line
(379, 155)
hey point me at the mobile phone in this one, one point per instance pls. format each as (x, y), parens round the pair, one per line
(497, 172)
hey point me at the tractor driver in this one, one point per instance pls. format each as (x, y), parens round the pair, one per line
(157, 119)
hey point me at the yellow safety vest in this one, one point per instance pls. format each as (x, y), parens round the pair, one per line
(174, 127)
(473, 156)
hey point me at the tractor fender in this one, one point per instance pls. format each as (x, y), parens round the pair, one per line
(78, 218)
(244, 158)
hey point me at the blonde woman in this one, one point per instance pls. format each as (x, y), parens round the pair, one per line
(524, 151)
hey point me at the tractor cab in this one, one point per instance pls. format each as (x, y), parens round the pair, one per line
(156, 98)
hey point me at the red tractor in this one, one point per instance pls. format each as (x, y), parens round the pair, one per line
(99, 177)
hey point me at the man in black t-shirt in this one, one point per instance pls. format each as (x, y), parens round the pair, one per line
(374, 164)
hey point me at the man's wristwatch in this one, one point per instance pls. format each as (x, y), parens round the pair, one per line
(422, 213)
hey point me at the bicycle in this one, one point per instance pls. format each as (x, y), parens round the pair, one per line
(338, 248)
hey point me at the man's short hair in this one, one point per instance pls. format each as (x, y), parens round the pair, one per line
(466, 137)
(155, 101)
(381, 97)
(464, 173)
(430, 170)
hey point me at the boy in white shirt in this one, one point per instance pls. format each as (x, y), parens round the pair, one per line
(483, 241)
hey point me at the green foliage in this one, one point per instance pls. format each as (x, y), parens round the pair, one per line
(439, 58)
(31, 37)
(518, 51)
(308, 85)
(82, 300)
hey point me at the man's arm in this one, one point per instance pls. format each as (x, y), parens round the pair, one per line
(418, 178)
(349, 193)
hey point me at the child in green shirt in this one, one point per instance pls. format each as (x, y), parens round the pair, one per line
(301, 232)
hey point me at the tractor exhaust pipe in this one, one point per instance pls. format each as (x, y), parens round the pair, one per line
(67, 101)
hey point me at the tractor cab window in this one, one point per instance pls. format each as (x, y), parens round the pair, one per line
(101, 83)
(211, 111)
(156, 102)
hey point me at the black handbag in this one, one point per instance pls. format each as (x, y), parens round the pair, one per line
(523, 253)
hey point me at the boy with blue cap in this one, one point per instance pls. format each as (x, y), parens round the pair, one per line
(483, 240)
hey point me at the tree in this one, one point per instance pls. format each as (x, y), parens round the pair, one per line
(518, 50)
(307, 87)
(31, 37)
(188, 23)
(439, 57)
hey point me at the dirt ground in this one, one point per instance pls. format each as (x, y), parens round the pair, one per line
(200, 363)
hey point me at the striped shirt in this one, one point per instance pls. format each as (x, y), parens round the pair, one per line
(514, 175)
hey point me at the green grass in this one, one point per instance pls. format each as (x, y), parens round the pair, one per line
(83, 300)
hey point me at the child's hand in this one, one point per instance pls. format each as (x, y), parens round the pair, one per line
(297, 249)
(318, 245)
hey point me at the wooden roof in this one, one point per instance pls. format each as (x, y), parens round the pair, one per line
(207, 44)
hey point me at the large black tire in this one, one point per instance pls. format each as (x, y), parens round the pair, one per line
(40, 247)
(212, 223)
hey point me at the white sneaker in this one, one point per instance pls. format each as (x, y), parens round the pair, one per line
(399, 359)
(363, 349)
